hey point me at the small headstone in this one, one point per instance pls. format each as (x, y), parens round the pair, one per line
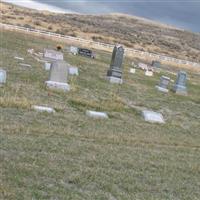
(31, 51)
(156, 64)
(2, 77)
(114, 74)
(58, 76)
(73, 70)
(153, 117)
(148, 73)
(47, 66)
(164, 83)
(74, 50)
(43, 109)
(19, 58)
(180, 85)
(132, 70)
(24, 65)
(96, 115)
(53, 55)
(143, 66)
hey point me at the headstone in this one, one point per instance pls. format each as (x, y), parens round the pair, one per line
(96, 115)
(132, 70)
(114, 74)
(2, 77)
(18, 58)
(24, 65)
(73, 70)
(58, 76)
(43, 109)
(156, 64)
(164, 83)
(53, 55)
(180, 85)
(74, 50)
(142, 66)
(31, 51)
(148, 73)
(153, 117)
(47, 66)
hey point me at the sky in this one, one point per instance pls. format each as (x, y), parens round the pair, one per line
(181, 13)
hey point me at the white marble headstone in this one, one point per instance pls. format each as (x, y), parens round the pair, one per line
(148, 73)
(47, 66)
(74, 50)
(153, 117)
(2, 76)
(73, 70)
(132, 70)
(43, 109)
(53, 55)
(96, 115)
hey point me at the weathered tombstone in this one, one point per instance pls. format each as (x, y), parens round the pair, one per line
(148, 73)
(74, 50)
(96, 115)
(132, 70)
(24, 65)
(73, 70)
(180, 85)
(47, 66)
(164, 83)
(114, 74)
(18, 58)
(156, 64)
(43, 109)
(153, 117)
(58, 76)
(143, 66)
(53, 55)
(2, 77)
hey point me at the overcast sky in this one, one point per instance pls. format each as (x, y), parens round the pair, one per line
(181, 13)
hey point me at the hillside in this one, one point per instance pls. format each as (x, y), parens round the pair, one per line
(67, 155)
(131, 31)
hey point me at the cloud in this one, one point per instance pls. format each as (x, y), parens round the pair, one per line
(38, 6)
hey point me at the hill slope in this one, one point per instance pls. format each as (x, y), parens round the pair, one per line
(115, 28)
(69, 156)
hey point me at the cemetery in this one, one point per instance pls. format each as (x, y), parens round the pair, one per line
(67, 131)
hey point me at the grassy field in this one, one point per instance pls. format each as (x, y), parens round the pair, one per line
(67, 155)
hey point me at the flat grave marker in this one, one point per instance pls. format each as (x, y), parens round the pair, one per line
(96, 115)
(153, 117)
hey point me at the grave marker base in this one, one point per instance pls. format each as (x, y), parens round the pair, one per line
(153, 117)
(162, 89)
(112, 79)
(57, 85)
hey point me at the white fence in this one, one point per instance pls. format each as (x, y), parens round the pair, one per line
(153, 56)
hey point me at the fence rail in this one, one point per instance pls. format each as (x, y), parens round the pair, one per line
(76, 39)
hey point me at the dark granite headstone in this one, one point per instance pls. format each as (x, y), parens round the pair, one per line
(156, 64)
(180, 85)
(115, 71)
